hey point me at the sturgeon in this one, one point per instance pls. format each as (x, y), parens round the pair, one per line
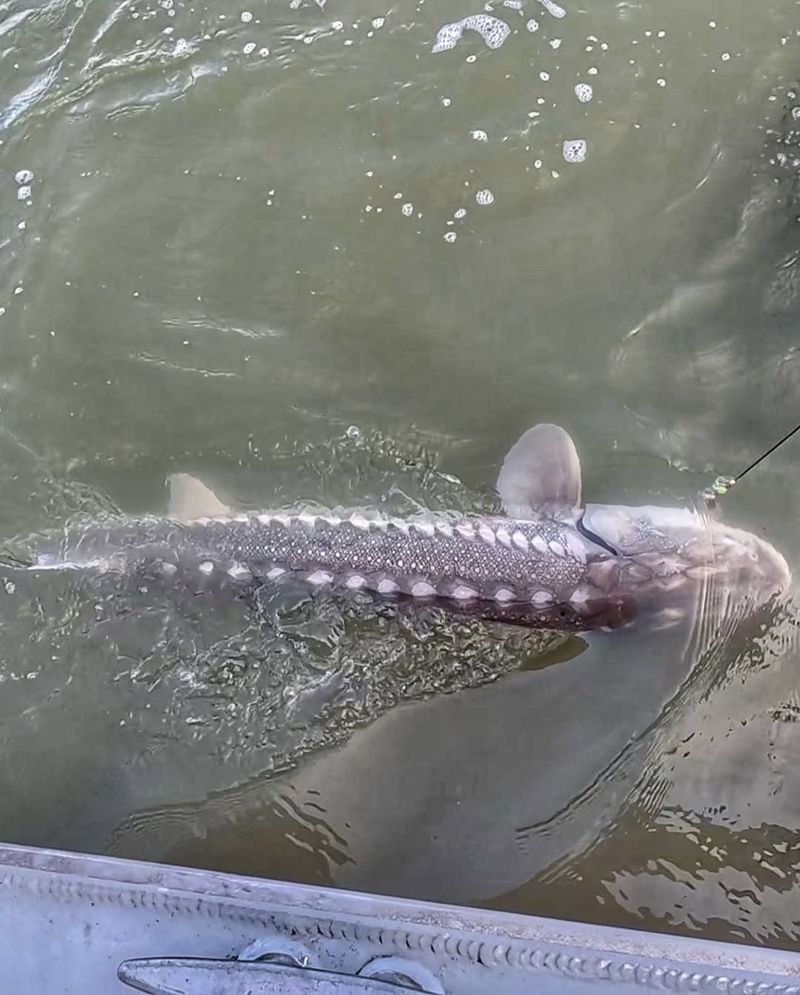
(549, 561)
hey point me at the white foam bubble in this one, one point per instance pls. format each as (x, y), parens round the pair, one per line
(553, 8)
(249, 48)
(450, 236)
(484, 197)
(555, 43)
(583, 92)
(23, 193)
(23, 176)
(493, 31)
(460, 213)
(407, 210)
(574, 150)
(378, 22)
(532, 25)
(479, 136)
(246, 17)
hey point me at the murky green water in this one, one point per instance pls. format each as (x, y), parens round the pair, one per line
(294, 250)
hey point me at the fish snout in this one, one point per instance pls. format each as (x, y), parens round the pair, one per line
(774, 569)
(748, 562)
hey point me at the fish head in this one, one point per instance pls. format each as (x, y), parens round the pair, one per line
(647, 558)
(680, 554)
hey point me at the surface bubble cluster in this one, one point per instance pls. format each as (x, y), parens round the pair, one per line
(553, 8)
(493, 31)
(23, 178)
(574, 150)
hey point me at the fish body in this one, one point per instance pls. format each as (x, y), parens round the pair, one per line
(551, 562)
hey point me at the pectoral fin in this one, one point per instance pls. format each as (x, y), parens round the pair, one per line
(189, 498)
(541, 475)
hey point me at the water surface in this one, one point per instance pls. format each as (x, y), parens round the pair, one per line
(294, 249)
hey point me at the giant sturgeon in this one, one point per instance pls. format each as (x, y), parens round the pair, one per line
(549, 562)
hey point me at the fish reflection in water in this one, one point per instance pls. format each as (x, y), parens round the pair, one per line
(460, 798)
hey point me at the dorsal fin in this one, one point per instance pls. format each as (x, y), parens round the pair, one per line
(541, 475)
(189, 498)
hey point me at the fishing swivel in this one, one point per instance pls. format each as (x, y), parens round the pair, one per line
(722, 485)
(718, 489)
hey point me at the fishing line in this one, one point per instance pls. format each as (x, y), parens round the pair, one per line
(722, 485)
